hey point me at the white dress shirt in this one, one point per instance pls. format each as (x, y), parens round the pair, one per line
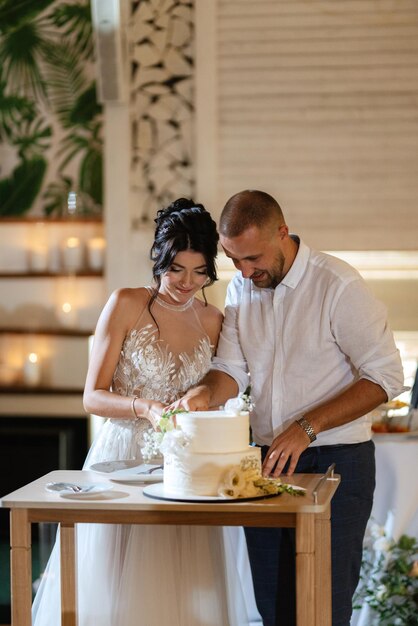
(320, 330)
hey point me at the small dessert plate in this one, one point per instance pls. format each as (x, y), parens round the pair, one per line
(129, 471)
(77, 490)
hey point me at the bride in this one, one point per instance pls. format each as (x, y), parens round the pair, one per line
(151, 344)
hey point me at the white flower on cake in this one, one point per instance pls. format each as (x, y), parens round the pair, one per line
(153, 439)
(245, 481)
(174, 442)
(242, 402)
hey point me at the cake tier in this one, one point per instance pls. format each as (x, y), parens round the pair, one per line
(201, 474)
(215, 431)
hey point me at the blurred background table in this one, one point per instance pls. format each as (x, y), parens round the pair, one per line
(396, 495)
(396, 487)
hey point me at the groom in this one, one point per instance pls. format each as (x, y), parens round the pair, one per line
(316, 343)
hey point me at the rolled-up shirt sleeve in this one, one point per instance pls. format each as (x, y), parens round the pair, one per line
(229, 357)
(361, 331)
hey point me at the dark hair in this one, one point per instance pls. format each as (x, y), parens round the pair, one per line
(184, 225)
(248, 208)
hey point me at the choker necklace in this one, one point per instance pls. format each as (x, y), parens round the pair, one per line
(175, 307)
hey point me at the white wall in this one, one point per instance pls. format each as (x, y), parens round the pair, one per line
(313, 101)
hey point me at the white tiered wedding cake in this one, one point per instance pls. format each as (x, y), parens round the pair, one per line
(205, 445)
(208, 454)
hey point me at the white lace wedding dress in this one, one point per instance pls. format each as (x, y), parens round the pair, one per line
(150, 575)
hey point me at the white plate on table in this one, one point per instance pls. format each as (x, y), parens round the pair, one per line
(130, 471)
(88, 490)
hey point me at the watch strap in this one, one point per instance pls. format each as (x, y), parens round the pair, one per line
(307, 427)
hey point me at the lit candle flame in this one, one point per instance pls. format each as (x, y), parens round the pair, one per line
(72, 242)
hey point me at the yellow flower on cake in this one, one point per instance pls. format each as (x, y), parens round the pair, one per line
(233, 483)
(250, 490)
(246, 481)
(251, 468)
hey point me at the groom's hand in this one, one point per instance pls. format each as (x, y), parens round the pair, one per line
(196, 399)
(288, 446)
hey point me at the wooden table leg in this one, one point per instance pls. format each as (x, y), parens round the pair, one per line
(323, 586)
(305, 570)
(21, 567)
(68, 575)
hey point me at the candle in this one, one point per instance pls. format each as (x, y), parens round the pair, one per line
(38, 247)
(31, 370)
(72, 254)
(95, 253)
(67, 314)
(39, 259)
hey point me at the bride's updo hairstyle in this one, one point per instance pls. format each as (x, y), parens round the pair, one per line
(184, 225)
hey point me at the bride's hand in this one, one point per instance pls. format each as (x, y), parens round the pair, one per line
(154, 412)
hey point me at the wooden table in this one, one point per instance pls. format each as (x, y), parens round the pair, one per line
(126, 504)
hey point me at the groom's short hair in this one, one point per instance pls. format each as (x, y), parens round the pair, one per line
(249, 208)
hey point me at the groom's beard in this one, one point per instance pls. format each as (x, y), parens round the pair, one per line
(270, 278)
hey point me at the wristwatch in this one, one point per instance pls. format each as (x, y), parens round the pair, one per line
(306, 426)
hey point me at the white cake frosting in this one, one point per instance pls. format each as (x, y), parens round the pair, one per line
(208, 444)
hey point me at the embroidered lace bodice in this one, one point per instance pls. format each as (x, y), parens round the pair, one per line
(162, 362)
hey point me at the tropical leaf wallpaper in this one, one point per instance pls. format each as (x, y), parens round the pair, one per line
(50, 122)
(51, 125)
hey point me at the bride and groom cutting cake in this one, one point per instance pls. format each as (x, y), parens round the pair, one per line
(320, 355)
